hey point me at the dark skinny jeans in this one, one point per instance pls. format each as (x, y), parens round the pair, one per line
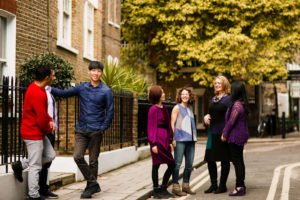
(90, 141)
(237, 157)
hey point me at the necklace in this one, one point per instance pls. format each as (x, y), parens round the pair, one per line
(218, 98)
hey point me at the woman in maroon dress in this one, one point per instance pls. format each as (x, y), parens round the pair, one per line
(160, 137)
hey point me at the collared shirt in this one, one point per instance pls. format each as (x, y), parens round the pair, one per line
(51, 106)
(96, 106)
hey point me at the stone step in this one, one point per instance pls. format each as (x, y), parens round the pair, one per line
(59, 179)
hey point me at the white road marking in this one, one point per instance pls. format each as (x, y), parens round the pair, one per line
(286, 181)
(274, 183)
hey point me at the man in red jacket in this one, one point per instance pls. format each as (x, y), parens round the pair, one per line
(36, 123)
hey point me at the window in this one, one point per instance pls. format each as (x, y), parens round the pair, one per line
(3, 30)
(7, 44)
(66, 36)
(89, 31)
(114, 10)
(64, 25)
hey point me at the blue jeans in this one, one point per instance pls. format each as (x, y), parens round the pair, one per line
(186, 149)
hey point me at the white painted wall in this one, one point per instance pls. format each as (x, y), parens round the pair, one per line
(11, 189)
(108, 161)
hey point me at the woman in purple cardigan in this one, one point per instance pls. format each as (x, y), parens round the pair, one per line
(160, 137)
(236, 134)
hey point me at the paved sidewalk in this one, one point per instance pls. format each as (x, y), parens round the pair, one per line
(134, 181)
(130, 182)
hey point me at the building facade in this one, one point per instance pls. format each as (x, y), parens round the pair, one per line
(79, 31)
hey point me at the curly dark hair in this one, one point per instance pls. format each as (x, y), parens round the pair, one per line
(178, 96)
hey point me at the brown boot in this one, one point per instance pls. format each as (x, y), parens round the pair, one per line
(177, 191)
(186, 188)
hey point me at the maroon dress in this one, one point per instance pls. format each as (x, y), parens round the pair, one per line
(160, 135)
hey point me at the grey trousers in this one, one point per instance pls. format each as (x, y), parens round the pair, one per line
(39, 153)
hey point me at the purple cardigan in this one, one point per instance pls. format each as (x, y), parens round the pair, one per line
(236, 126)
(155, 117)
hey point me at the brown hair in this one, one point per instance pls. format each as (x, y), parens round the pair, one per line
(178, 96)
(225, 84)
(155, 93)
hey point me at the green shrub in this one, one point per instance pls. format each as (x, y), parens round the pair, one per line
(63, 71)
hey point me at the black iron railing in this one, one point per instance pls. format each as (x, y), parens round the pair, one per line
(12, 148)
(11, 101)
(143, 108)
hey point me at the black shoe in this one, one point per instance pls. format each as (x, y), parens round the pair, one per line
(158, 194)
(221, 189)
(167, 194)
(211, 189)
(35, 198)
(17, 168)
(49, 195)
(90, 190)
(240, 191)
(164, 191)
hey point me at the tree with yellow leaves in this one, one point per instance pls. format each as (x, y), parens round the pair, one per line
(249, 39)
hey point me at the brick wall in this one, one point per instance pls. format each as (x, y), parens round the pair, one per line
(32, 29)
(37, 33)
(135, 119)
(77, 61)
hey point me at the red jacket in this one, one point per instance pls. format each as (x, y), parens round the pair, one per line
(35, 118)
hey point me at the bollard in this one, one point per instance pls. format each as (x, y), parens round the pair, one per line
(271, 126)
(283, 125)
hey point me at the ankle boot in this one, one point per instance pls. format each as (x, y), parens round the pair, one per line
(187, 189)
(177, 191)
(165, 192)
(157, 194)
(213, 187)
(221, 189)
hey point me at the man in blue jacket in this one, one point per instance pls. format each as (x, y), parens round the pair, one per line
(95, 116)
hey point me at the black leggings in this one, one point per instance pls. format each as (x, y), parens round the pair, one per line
(166, 177)
(236, 152)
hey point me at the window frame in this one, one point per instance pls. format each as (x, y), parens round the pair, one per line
(64, 26)
(112, 13)
(8, 60)
(3, 36)
(89, 30)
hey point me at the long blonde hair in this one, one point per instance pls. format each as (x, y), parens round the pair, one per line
(225, 84)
